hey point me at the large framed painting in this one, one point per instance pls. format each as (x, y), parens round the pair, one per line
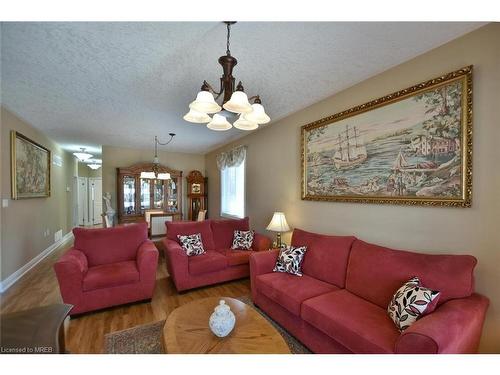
(30, 168)
(411, 147)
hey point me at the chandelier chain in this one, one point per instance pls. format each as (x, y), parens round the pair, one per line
(228, 52)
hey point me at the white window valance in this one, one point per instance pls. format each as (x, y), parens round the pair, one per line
(231, 158)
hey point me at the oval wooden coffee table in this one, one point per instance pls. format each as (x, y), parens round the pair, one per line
(186, 331)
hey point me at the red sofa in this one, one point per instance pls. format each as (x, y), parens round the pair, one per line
(339, 304)
(220, 263)
(107, 267)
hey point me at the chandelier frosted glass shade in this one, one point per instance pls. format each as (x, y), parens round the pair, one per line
(238, 103)
(205, 103)
(219, 123)
(82, 156)
(257, 115)
(94, 166)
(151, 176)
(197, 117)
(243, 124)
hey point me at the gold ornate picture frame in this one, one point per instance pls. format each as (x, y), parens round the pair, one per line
(30, 168)
(411, 147)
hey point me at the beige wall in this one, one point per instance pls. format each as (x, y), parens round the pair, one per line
(24, 221)
(273, 172)
(116, 157)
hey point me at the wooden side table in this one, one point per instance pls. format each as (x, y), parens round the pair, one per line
(35, 331)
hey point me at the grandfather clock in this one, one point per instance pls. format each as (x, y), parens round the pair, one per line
(196, 193)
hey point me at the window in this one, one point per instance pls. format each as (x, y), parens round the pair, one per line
(233, 191)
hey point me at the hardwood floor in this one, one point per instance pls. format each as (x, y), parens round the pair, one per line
(85, 334)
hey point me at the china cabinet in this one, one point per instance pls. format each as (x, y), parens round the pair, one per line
(136, 195)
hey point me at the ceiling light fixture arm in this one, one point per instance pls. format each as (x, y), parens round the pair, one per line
(157, 142)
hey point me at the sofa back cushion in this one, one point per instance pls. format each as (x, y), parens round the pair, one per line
(375, 272)
(186, 228)
(223, 231)
(110, 245)
(326, 257)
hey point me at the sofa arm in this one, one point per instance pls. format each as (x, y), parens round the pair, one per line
(177, 263)
(454, 327)
(261, 262)
(70, 270)
(147, 262)
(261, 242)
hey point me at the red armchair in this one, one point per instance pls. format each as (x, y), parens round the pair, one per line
(107, 267)
(220, 263)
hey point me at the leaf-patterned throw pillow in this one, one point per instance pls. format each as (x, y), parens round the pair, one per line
(290, 260)
(242, 240)
(410, 302)
(191, 244)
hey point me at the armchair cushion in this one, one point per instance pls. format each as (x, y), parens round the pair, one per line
(110, 245)
(223, 231)
(108, 275)
(185, 228)
(289, 290)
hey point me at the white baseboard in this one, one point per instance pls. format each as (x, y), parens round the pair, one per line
(13, 278)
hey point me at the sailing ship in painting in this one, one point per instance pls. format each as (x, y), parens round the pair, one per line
(351, 151)
(409, 148)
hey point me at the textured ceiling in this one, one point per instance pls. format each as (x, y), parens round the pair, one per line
(121, 84)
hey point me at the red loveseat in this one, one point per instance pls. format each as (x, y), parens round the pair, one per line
(219, 263)
(107, 267)
(339, 304)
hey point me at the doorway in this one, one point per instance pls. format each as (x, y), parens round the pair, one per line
(88, 200)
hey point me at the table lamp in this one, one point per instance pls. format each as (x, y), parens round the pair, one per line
(278, 224)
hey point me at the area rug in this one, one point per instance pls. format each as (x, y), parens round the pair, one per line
(147, 338)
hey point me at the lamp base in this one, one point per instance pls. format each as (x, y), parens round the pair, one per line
(279, 244)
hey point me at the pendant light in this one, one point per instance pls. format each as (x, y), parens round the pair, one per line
(82, 156)
(234, 100)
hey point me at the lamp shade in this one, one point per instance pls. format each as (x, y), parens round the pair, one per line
(205, 103)
(238, 103)
(196, 117)
(243, 124)
(150, 175)
(163, 176)
(278, 223)
(257, 115)
(219, 123)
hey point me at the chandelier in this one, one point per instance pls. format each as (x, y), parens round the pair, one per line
(82, 155)
(234, 100)
(155, 173)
